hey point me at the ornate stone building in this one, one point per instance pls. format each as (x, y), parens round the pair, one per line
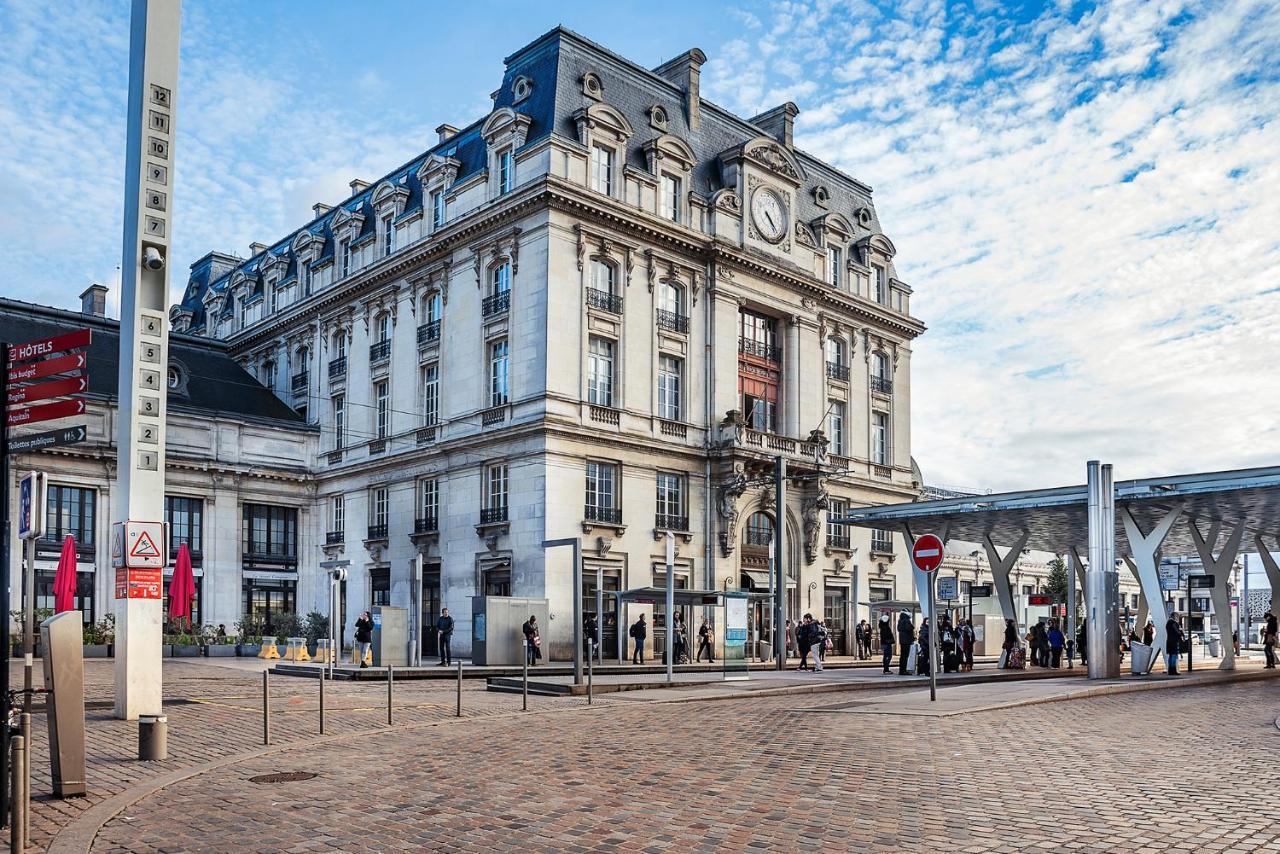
(599, 311)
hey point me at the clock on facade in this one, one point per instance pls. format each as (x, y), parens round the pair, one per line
(769, 213)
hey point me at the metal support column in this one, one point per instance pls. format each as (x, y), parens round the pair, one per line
(1101, 604)
(779, 564)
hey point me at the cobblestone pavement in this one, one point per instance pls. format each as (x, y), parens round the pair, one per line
(1134, 772)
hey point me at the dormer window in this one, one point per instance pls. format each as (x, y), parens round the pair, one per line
(670, 208)
(437, 209)
(658, 117)
(521, 88)
(506, 172)
(344, 250)
(602, 169)
(388, 236)
(834, 257)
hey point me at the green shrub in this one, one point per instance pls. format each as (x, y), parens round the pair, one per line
(315, 626)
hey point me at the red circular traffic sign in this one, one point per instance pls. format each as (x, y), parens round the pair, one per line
(926, 552)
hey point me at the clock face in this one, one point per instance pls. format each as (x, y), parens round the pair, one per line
(769, 213)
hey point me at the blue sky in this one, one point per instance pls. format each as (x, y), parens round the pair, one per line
(1084, 196)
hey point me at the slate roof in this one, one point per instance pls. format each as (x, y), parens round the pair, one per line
(217, 385)
(555, 62)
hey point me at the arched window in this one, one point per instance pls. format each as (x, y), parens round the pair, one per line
(602, 276)
(339, 344)
(836, 353)
(672, 297)
(500, 279)
(879, 366)
(432, 307)
(384, 327)
(759, 529)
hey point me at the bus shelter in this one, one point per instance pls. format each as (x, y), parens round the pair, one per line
(684, 600)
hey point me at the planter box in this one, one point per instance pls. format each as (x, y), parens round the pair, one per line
(97, 650)
(220, 650)
(248, 650)
(184, 650)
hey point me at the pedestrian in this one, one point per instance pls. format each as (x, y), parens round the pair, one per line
(444, 633)
(1010, 643)
(532, 640)
(1149, 633)
(968, 640)
(923, 663)
(705, 638)
(906, 637)
(1082, 640)
(639, 631)
(886, 642)
(677, 641)
(364, 636)
(1270, 637)
(1173, 643)
(791, 639)
(821, 638)
(804, 640)
(866, 640)
(947, 642)
(590, 635)
(1033, 644)
(222, 632)
(1057, 641)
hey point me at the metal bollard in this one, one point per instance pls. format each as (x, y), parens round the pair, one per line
(266, 706)
(459, 688)
(590, 672)
(322, 681)
(525, 665)
(17, 786)
(153, 737)
(390, 682)
(28, 748)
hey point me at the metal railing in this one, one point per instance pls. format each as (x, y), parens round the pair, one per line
(837, 371)
(755, 348)
(838, 541)
(377, 446)
(664, 522)
(335, 457)
(496, 304)
(882, 385)
(428, 333)
(608, 515)
(881, 546)
(493, 515)
(493, 415)
(425, 435)
(604, 301)
(337, 368)
(299, 382)
(334, 538)
(377, 532)
(426, 525)
(672, 321)
(379, 351)
(758, 538)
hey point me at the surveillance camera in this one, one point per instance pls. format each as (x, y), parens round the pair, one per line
(338, 574)
(152, 259)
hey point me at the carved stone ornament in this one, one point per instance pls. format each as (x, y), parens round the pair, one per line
(491, 543)
(770, 156)
(804, 236)
(728, 493)
(603, 544)
(727, 200)
(813, 511)
(375, 551)
(809, 303)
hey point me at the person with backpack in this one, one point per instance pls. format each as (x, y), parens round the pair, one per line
(364, 636)
(804, 642)
(639, 631)
(1057, 641)
(968, 639)
(886, 642)
(1173, 643)
(532, 641)
(906, 637)
(947, 643)
(821, 637)
(1010, 642)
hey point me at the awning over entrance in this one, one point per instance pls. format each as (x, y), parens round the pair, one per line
(658, 596)
(760, 579)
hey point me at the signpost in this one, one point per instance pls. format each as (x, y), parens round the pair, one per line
(1204, 581)
(980, 591)
(50, 439)
(1039, 599)
(926, 554)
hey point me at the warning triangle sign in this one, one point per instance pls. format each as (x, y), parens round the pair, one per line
(144, 547)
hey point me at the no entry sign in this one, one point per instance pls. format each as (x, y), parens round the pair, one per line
(926, 553)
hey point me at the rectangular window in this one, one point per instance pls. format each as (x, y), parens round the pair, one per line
(437, 209)
(881, 541)
(380, 585)
(269, 374)
(185, 517)
(671, 198)
(499, 363)
(878, 285)
(345, 250)
(69, 510)
(388, 236)
(602, 169)
(602, 481)
(670, 371)
(600, 372)
(670, 507)
(338, 514)
(501, 279)
(880, 594)
(382, 404)
(837, 534)
(430, 395)
(275, 295)
(506, 172)
(835, 427)
(384, 327)
(378, 502)
(880, 438)
(428, 498)
(270, 533)
(304, 270)
(833, 266)
(495, 486)
(339, 421)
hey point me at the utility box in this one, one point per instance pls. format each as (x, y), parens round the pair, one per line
(62, 636)
(497, 628)
(390, 636)
(988, 634)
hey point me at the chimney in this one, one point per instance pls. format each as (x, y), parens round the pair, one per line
(446, 132)
(358, 185)
(93, 301)
(320, 208)
(779, 122)
(684, 71)
(257, 249)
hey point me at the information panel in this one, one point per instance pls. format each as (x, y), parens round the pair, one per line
(735, 636)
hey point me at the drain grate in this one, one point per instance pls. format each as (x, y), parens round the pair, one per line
(284, 777)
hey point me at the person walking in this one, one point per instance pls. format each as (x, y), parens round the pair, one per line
(947, 642)
(364, 636)
(821, 637)
(923, 661)
(1056, 642)
(906, 637)
(1173, 643)
(590, 635)
(804, 640)
(1010, 642)
(532, 640)
(968, 640)
(1270, 637)
(444, 634)
(886, 642)
(1082, 640)
(639, 631)
(791, 639)
(705, 637)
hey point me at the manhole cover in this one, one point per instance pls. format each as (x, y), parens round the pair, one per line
(283, 777)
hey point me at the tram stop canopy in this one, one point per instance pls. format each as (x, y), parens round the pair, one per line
(1209, 516)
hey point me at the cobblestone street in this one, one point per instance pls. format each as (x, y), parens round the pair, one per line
(771, 772)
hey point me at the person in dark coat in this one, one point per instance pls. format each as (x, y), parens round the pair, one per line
(444, 633)
(364, 636)
(906, 637)
(947, 645)
(639, 631)
(1057, 640)
(886, 642)
(1010, 640)
(1173, 643)
(532, 640)
(1149, 633)
(968, 639)
(1082, 640)
(590, 635)
(804, 640)
(923, 662)
(1270, 638)
(706, 637)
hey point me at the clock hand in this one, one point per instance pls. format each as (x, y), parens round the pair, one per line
(766, 216)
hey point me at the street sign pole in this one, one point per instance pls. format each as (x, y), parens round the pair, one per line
(927, 553)
(933, 642)
(5, 584)
(144, 293)
(779, 567)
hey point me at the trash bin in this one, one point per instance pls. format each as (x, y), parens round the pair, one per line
(1141, 657)
(1215, 648)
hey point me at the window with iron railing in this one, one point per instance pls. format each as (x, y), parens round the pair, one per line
(670, 511)
(881, 541)
(428, 332)
(495, 304)
(379, 351)
(759, 531)
(337, 368)
(672, 322)
(601, 503)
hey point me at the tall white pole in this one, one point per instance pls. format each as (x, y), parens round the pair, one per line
(144, 337)
(671, 602)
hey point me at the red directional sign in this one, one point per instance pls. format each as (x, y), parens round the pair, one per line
(49, 346)
(44, 391)
(47, 368)
(47, 412)
(926, 553)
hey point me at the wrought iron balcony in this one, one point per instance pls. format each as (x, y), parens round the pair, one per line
(882, 385)
(426, 525)
(672, 322)
(763, 351)
(493, 415)
(837, 371)
(882, 545)
(838, 541)
(377, 446)
(671, 523)
(604, 301)
(425, 435)
(337, 368)
(377, 532)
(493, 515)
(428, 333)
(379, 351)
(496, 304)
(299, 382)
(335, 456)
(334, 538)
(608, 515)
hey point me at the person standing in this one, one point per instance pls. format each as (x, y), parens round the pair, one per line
(1010, 641)
(639, 631)
(1149, 633)
(821, 638)
(590, 635)
(1056, 642)
(866, 640)
(1270, 637)
(444, 634)
(906, 637)
(968, 640)
(886, 642)
(1173, 643)
(1082, 640)
(804, 641)
(705, 638)
(947, 643)
(364, 636)
(532, 640)
(923, 664)
(791, 639)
